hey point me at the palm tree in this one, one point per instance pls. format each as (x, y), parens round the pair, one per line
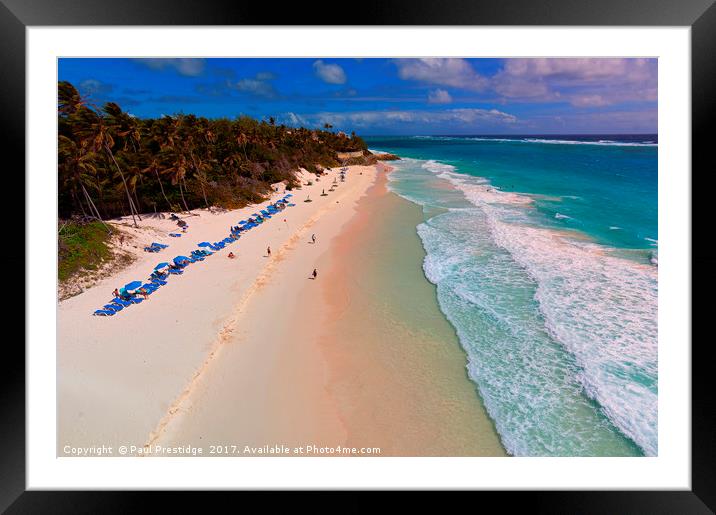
(127, 131)
(155, 166)
(96, 137)
(77, 166)
(177, 170)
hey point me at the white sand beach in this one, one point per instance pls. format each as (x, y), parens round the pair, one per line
(122, 379)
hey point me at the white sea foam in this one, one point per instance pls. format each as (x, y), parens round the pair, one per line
(586, 142)
(479, 187)
(560, 216)
(601, 308)
(605, 142)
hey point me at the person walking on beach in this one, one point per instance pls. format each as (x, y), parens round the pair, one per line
(268, 251)
(315, 273)
(313, 238)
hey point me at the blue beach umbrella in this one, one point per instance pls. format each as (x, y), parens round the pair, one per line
(161, 265)
(179, 259)
(133, 285)
(243, 222)
(204, 244)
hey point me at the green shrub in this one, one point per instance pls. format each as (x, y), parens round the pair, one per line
(81, 247)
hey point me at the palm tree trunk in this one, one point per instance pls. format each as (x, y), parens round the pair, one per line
(89, 201)
(136, 198)
(201, 181)
(162, 188)
(182, 196)
(132, 209)
(203, 191)
(77, 200)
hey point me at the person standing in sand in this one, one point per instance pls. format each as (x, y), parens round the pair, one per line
(313, 238)
(268, 251)
(315, 273)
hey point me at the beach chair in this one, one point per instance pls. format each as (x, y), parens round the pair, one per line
(174, 235)
(103, 313)
(136, 300)
(158, 282)
(176, 272)
(112, 306)
(160, 245)
(121, 302)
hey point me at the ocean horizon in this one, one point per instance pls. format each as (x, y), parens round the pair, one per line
(544, 252)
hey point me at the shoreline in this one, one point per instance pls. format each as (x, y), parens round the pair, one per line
(398, 371)
(265, 356)
(298, 380)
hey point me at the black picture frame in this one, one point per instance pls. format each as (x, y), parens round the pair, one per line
(700, 15)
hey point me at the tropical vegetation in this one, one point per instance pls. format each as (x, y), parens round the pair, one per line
(111, 163)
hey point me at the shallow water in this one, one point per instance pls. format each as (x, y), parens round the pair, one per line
(397, 368)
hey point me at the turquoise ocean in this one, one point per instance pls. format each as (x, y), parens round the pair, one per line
(544, 252)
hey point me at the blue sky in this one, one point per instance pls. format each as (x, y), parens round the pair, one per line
(386, 96)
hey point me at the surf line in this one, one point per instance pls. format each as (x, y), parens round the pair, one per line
(229, 327)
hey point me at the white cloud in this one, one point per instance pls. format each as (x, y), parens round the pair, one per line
(459, 117)
(94, 86)
(581, 70)
(453, 72)
(259, 85)
(589, 101)
(294, 120)
(330, 73)
(583, 82)
(626, 121)
(256, 87)
(190, 67)
(439, 96)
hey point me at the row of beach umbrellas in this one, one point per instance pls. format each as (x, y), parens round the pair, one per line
(130, 289)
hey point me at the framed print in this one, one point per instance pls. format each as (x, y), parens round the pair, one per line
(452, 250)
